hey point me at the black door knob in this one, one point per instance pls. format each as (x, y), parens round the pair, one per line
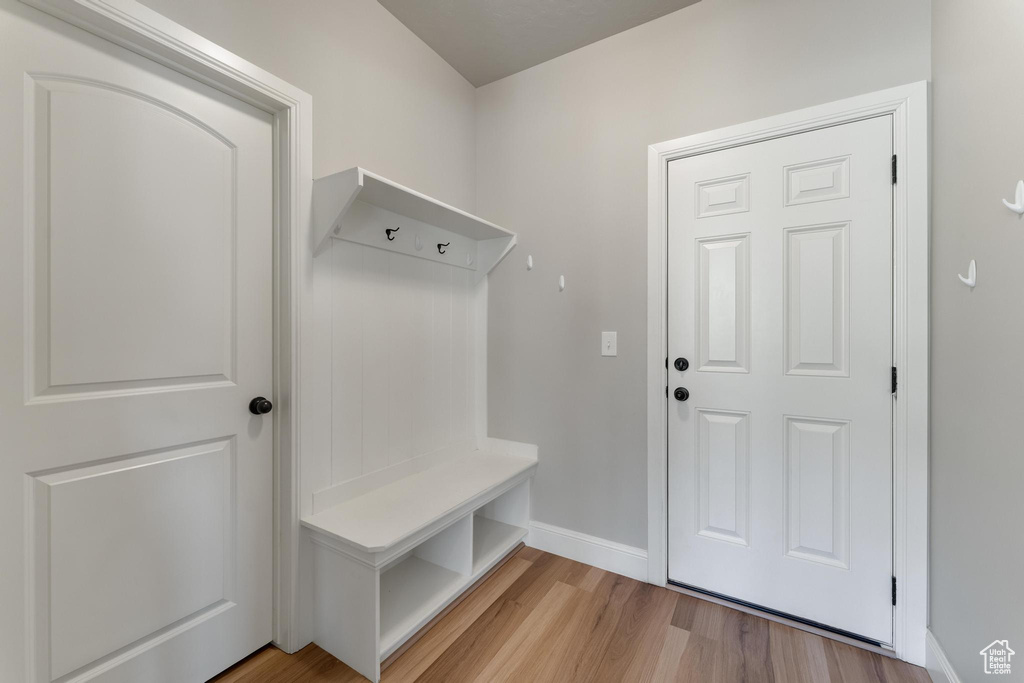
(682, 394)
(260, 406)
(682, 364)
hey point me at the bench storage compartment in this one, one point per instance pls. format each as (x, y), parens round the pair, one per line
(388, 560)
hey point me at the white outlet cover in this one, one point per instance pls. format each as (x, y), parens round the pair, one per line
(609, 344)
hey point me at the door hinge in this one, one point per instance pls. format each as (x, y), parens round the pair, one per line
(894, 380)
(893, 169)
(894, 591)
(666, 392)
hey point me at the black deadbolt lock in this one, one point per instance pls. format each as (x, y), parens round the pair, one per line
(682, 394)
(260, 406)
(682, 364)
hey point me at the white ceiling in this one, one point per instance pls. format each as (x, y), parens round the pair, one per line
(489, 39)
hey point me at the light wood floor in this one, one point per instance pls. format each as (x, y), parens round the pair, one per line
(545, 618)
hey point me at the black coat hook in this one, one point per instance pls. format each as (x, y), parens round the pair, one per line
(388, 232)
(440, 247)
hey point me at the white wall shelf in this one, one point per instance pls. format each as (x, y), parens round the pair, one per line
(360, 206)
(391, 554)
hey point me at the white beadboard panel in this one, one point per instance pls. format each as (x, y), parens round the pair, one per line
(347, 365)
(319, 410)
(400, 343)
(376, 304)
(478, 358)
(440, 427)
(475, 399)
(460, 351)
(406, 344)
(420, 395)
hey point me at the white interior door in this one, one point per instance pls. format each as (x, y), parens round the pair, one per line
(780, 299)
(135, 300)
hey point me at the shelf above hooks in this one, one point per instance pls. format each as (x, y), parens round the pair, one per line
(360, 206)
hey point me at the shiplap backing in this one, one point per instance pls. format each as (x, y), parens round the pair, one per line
(403, 358)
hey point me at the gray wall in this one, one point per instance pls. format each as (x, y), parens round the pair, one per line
(382, 99)
(561, 158)
(977, 461)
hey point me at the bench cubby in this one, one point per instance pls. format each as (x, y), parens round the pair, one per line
(388, 560)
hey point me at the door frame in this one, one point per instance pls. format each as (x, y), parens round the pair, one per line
(908, 106)
(136, 27)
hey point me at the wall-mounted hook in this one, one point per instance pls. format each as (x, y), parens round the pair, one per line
(1018, 206)
(440, 247)
(419, 243)
(390, 233)
(529, 262)
(972, 275)
(561, 283)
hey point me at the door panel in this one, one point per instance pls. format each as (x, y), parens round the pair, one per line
(818, 490)
(780, 291)
(817, 304)
(136, 266)
(169, 532)
(167, 328)
(723, 304)
(723, 496)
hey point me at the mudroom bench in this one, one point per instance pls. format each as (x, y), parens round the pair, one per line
(391, 553)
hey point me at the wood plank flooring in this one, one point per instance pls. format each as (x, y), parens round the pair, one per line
(545, 618)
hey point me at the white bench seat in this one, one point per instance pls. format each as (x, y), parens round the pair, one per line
(392, 549)
(381, 519)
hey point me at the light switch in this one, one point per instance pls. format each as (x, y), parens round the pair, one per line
(609, 344)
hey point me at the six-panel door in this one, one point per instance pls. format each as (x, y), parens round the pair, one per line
(135, 299)
(780, 297)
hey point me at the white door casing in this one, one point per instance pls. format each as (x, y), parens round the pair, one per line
(780, 292)
(137, 290)
(908, 105)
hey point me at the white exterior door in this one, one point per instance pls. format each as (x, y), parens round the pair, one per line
(135, 303)
(780, 299)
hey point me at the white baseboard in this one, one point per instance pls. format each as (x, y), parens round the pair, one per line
(597, 552)
(936, 662)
